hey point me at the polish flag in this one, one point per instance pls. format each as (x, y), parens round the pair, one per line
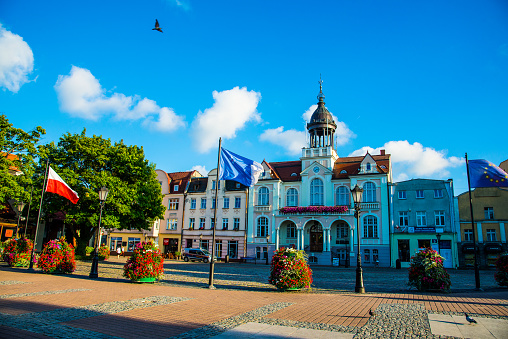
(58, 186)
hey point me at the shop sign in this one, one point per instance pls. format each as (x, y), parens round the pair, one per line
(166, 241)
(425, 230)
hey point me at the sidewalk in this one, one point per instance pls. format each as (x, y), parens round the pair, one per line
(36, 305)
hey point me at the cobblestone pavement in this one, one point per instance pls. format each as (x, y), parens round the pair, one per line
(37, 305)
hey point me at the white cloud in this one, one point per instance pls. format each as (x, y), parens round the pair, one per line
(81, 95)
(292, 140)
(231, 111)
(16, 61)
(201, 169)
(415, 160)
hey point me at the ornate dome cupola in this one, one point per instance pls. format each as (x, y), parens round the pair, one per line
(321, 126)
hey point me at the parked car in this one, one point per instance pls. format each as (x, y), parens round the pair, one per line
(197, 254)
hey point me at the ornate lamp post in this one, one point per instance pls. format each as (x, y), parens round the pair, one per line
(438, 236)
(19, 206)
(357, 192)
(94, 272)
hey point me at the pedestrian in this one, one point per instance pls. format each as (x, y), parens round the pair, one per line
(123, 251)
(118, 251)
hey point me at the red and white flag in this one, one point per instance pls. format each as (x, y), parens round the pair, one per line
(58, 186)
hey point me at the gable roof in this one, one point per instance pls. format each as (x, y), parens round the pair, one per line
(180, 179)
(284, 170)
(351, 165)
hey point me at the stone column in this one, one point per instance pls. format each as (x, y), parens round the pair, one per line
(277, 239)
(298, 232)
(502, 232)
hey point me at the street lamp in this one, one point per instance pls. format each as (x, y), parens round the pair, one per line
(438, 236)
(19, 206)
(94, 272)
(357, 192)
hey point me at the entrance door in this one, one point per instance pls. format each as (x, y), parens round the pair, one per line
(316, 238)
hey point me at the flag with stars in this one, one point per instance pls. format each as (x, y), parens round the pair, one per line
(483, 173)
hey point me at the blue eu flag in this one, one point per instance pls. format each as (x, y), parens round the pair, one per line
(483, 173)
(237, 168)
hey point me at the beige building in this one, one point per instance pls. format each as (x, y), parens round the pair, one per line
(490, 213)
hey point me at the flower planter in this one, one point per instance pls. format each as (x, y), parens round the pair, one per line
(289, 270)
(146, 280)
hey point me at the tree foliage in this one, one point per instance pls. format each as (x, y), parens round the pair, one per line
(88, 163)
(15, 141)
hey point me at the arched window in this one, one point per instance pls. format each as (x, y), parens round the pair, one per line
(262, 229)
(291, 231)
(370, 227)
(342, 196)
(316, 192)
(342, 230)
(369, 192)
(292, 197)
(263, 196)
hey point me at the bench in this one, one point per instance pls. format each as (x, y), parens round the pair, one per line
(245, 259)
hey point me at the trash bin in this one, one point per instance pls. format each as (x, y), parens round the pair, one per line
(226, 260)
(397, 264)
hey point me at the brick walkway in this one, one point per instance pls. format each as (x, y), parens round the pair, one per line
(75, 306)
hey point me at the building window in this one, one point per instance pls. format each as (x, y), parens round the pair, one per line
(203, 244)
(491, 235)
(236, 224)
(172, 223)
(439, 217)
(421, 218)
(115, 243)
(468, 234)
(213, 202)
(203, 203)
(403, 249)
(258, 252)
(265, 252)
(213, 184)
(291, 231)
(342, 230)
(193, 204)
(438, 193)
(342, 196)
(226, 203)
(375, 256)
(316, 192)
(489, 213)
(173, 204)
(369, 192)
(202, 223)
(233, 249)
(368, 168)
(238, 202)
(292, 197)
(366, 253)
(403, 219)
(192, 222)
(218, 248)
(370, 227)
(262, 227)
(419, 194)
(402, 195)
(212, 223)
(225, 222)
(132, 243)
(263, 196)
(175, 188)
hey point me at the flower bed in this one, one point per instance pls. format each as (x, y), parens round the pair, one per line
(57, 257)
(145, 262)
(501, 275)
(16, 252)
(314, 209)
(289, 269)
(427, 272)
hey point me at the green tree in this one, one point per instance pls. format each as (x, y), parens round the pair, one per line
(88, 163)
(17, 152)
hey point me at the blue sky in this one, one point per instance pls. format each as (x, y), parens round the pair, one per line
(425, 80)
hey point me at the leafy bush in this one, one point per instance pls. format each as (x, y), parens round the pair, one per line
(501, 275)
(103, 253)
(57, 257)
(17, 252)
(89, 250)
(145, 262)
(427, 272)
(289, 269)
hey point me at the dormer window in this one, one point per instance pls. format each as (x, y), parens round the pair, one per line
(368, 167)
(175, 188)
(294, 174)
(343, 172)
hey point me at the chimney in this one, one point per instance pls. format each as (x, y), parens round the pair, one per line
(382, 152)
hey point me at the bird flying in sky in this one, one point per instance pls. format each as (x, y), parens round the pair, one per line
(469, 319)
(157, 28)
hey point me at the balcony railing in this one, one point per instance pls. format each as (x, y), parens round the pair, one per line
(314, 210)
(262, 208)
(369, 205)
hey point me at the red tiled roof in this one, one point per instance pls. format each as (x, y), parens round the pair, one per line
(352, 165)
(284, 169)
(180, 179)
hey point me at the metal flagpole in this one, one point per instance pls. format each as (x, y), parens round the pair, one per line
(210, 281)
(44, 184)
(476, 269)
